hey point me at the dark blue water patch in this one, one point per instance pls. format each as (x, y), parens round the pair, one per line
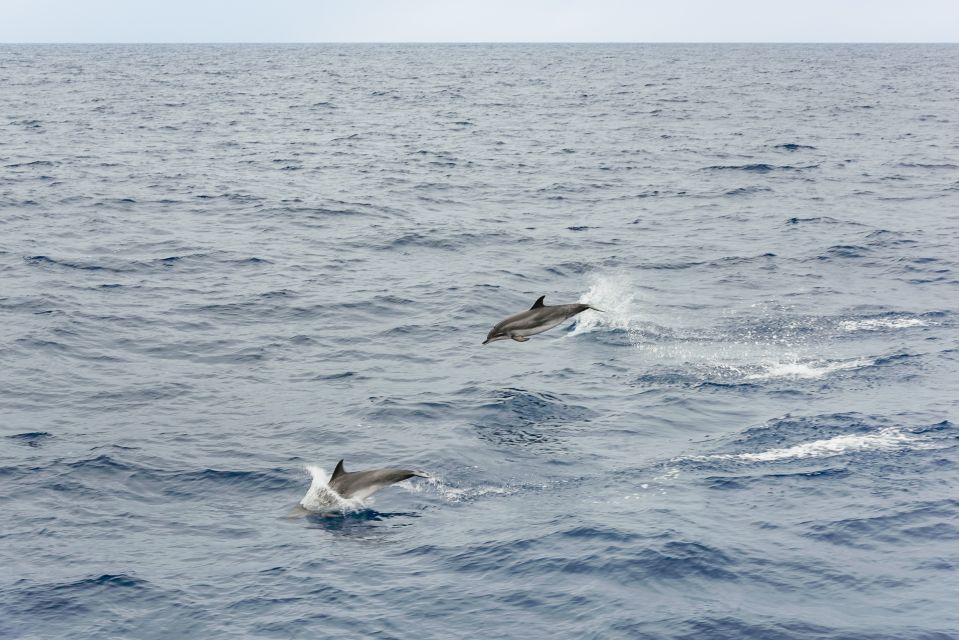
(70, 264)
(806, 478)
(512, 406)
(71, 598)
(944, 428)
(284, 294)
(355, 521)
(921, 165)
(844, 252)
(31, 439)
(200, 259)
(820, 220)
(740, 387)
(344, 375)
(895, 359)
(139, 395)
(722, 262)
(669, 562)
(731, 627)
(128, 477)
(96, 604)
(33, 163)
(667, 379)
(570, 267)
(906, 526)
(107, 265)
(399, 410)
(428, 240)
(42, 345)
(28, 123)
(792, 146)
(747, 191)
(99, 463)
(605, 533)
(525, 421)
(760, 167)
(887, 238)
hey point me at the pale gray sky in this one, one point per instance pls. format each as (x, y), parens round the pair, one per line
(479, 21)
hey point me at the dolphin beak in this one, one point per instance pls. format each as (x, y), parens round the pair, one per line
(485, 341)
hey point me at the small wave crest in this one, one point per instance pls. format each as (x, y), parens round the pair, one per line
(886, 439)
(807, 370)
(877, 324)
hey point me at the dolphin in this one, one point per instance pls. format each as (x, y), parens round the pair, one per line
(536, 319)
(359, 485)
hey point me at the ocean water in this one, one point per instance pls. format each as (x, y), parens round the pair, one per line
(224, 268)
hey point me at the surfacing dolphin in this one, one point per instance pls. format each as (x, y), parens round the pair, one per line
(536, 319)
(359, 485)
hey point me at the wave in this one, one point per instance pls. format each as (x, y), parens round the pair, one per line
(31, 439)
(876, 324)
(909, 524)
(890, 438)
(851, 433)
(760, 167)
(927, 165)
(808, 370)
(792, 146)
(111, 265)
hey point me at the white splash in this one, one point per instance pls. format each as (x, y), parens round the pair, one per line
(888, 439)
(807, 370)
(433, 484)
(614, 296)
(875, 324)
(320, 498)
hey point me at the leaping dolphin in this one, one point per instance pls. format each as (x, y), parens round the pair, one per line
(536, 319)
(359, 485)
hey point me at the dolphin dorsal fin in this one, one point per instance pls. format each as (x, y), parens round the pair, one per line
(338, 471)
(538, 303)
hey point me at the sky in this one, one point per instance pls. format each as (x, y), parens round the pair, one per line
(479, 21)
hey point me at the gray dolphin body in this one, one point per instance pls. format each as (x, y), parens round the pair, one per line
(362, 484)
(536, 319)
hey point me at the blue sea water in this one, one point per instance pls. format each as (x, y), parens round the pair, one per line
(223, 265)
